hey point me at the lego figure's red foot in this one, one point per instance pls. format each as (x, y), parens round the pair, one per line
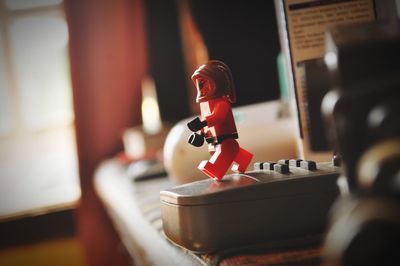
(242, 161)
(210, 170)
(215, 93)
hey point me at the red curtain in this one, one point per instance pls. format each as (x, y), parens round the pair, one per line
(108, 61)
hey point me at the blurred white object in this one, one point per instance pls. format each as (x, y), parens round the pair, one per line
(148, 138)
(150, 110)
(260, 130)
(138, 143)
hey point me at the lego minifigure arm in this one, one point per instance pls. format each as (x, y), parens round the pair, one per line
(196, 124)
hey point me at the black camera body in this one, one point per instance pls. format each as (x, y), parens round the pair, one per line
(363, 107)
(361, 113)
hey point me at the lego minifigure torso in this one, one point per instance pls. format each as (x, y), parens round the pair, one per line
(218, 114)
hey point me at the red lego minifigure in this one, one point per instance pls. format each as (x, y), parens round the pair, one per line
(215, 93)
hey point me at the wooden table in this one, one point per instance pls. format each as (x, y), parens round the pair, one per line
(135, 212)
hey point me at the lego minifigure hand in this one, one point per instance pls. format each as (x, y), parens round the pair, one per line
(196, 124)
(196, 140)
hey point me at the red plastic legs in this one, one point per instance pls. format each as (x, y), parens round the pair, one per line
(242, 160)
(226, 153)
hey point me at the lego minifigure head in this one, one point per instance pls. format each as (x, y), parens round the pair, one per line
(213, 80)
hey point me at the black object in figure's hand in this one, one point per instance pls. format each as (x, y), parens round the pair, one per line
(196, 140)
(196, 124)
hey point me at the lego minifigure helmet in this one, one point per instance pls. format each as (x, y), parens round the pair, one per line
(220, 77)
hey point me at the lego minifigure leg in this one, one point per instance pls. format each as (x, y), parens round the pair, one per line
(219, 163)
(242, 160)
(210, 170)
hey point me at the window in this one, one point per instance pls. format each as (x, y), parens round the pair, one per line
(38, 153)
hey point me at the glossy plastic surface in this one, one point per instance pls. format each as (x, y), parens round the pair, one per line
(243, 209)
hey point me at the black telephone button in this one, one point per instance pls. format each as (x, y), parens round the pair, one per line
(308, 165)
(269, 166)
(295, 162)
(284, 161)
(258, 165)
(281, 168)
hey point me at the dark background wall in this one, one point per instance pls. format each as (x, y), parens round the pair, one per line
(244, 35)
(166, 62)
